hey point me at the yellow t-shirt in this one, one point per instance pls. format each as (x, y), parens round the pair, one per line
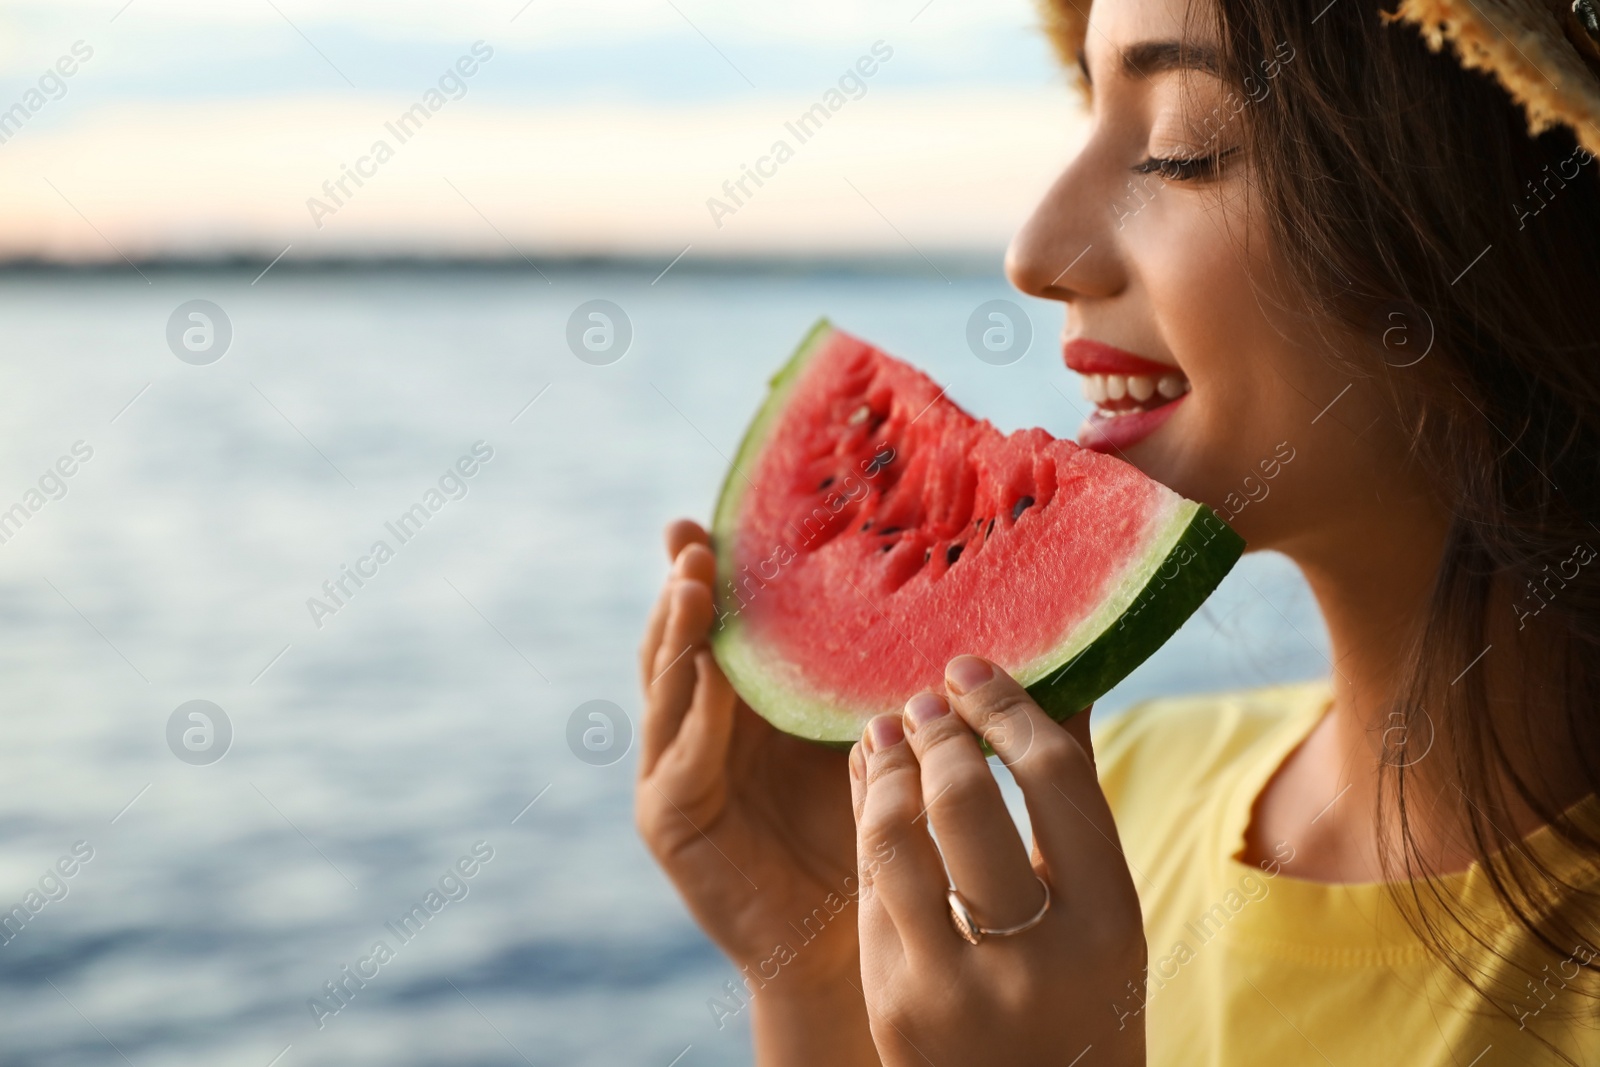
(1248, 966)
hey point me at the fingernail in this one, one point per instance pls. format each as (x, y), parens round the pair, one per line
(966, 673)
(925, 707)
(885, 732)
(857, 761)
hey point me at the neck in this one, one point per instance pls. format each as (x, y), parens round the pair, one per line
(1373, 603)
(1373, 609)
(1323, 798)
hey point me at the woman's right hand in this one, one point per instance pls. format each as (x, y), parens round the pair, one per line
(755, 829)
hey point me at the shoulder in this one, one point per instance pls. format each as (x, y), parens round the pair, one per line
(1159, 747)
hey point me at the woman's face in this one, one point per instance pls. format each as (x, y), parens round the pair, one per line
(1175, 301)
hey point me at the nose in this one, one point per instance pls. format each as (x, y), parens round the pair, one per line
(1067, 249)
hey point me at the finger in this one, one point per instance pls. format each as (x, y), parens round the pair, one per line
(858, 780)
(899, 867)
(697, 564)
(1072, 823)
(680, 533)
(653, 631)
(1078, 726)
(692, 769)
(671, 685)
(694, 563)
(700, 565)
(982, 850)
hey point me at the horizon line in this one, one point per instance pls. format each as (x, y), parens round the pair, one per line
(971, 263)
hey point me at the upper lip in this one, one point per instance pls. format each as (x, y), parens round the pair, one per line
(1096, 357)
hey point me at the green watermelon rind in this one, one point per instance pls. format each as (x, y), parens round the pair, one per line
(1198, 558)
(736, 480)
(1183, 563)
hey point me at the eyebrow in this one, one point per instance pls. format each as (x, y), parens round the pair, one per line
(1148, 58)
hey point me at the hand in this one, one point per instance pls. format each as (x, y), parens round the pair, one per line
(753, 827)
(1037, 997)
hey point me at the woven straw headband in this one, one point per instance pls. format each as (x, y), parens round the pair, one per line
(1545, 53)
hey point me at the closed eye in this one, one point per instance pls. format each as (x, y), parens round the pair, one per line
(1185, 168)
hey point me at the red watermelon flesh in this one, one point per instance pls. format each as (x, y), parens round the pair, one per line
(870, 530)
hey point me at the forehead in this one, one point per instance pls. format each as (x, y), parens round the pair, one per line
(1116, 28)
(1132, 19)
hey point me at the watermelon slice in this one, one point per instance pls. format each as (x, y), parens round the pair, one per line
(870, 530)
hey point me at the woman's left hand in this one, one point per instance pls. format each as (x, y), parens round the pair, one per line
(1042, 996)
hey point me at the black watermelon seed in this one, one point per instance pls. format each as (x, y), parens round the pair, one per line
(886, 548)
(825, 483)
(1023, 504)
(927, 554)
(889, 531)
(953, 553)
(866, 526)
(989, 531)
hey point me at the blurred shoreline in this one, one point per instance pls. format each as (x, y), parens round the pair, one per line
(952, 264)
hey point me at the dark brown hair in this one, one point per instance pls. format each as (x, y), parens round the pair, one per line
(1406, 193)
(1403, 190)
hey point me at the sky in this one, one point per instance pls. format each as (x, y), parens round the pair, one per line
(206, 127)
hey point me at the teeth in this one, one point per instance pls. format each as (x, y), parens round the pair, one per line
(1099, 388)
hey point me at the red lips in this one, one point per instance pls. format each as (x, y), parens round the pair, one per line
(1115, 431)
(1101, 434)
(1097, 357)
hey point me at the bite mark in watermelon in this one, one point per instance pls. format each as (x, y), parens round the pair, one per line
(870, 530)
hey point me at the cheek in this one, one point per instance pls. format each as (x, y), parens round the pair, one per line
(1257, 374)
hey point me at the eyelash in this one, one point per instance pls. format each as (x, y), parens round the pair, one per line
(1188, 168)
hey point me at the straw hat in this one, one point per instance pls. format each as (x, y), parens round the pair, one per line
(1545, 53)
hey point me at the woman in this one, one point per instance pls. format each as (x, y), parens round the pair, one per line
(1349, 244)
